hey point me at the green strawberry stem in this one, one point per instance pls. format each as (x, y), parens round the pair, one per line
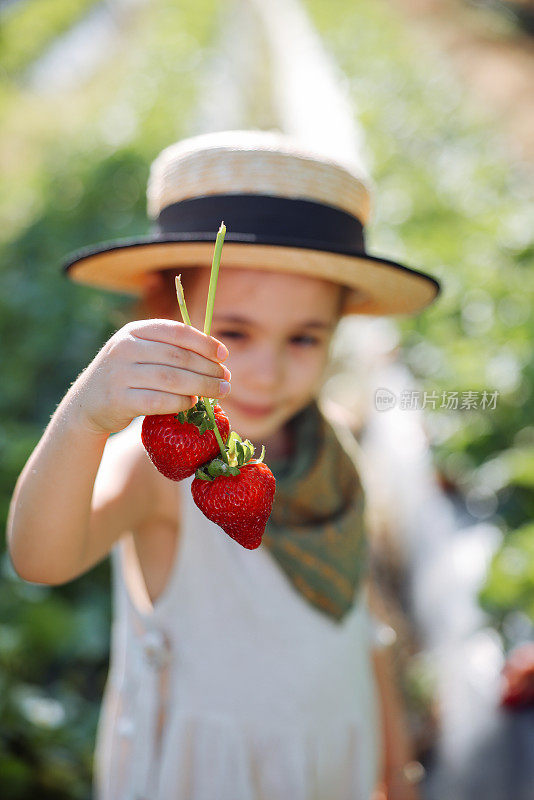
(209, 315)
(216, 430)
(181, 300)
(213, 278)
(207, 324)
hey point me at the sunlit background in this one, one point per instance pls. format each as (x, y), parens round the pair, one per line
(433, 98)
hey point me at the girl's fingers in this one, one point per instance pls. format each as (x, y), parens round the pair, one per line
(176, 381)
(177, 334)
(150, 352)
(148, 402)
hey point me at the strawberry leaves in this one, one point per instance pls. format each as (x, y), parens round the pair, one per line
(238, 452)
(197, 415)
(214, 469)
(241, 451)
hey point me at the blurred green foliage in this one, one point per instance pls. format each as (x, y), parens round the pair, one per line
(450, 198)
(26, 28)
(511, 574)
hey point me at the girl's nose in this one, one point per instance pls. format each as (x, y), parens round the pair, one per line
(268, 369)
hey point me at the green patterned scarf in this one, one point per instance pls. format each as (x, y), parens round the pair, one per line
(316, 530)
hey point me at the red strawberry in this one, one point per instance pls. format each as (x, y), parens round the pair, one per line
(240, 504)
(177, 448)
(517, 690)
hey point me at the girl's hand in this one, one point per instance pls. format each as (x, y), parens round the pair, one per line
(395, 792)
(153, 366)
(401, 783)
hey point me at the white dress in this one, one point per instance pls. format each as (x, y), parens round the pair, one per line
(231, 686)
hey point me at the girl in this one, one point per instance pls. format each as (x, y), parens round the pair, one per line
(234, 674)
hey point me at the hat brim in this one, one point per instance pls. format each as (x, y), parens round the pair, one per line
(380, 286)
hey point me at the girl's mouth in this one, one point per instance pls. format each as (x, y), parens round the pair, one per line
(252, 411)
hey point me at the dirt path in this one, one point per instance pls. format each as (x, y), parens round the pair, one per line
(494, 62)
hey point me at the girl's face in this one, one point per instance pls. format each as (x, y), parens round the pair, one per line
(277, 328)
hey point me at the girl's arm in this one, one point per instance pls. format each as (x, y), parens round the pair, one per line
(397, 745)
(396, 741)
(150, 367)
(49, 512)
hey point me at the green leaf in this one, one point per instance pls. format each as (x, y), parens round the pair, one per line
(520, 463)
(181, 417)
(217, 467)
(204, 426)
(234, 471)
(240, 453)
(231, 443)
(509, 584)
(202, 475)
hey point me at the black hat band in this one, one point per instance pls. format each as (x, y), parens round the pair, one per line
(266, 219)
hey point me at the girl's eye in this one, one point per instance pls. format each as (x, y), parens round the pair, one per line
(231, 335)
(300, 341)
(306, 341)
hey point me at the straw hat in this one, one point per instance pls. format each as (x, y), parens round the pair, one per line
(286, 208)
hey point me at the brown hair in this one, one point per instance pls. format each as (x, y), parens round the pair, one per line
(159, 299)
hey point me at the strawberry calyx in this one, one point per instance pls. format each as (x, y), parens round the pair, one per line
(238, 452)
(197, 415)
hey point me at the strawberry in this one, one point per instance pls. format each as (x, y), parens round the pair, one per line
(239, 503)
(178, 444)
(517, 689)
